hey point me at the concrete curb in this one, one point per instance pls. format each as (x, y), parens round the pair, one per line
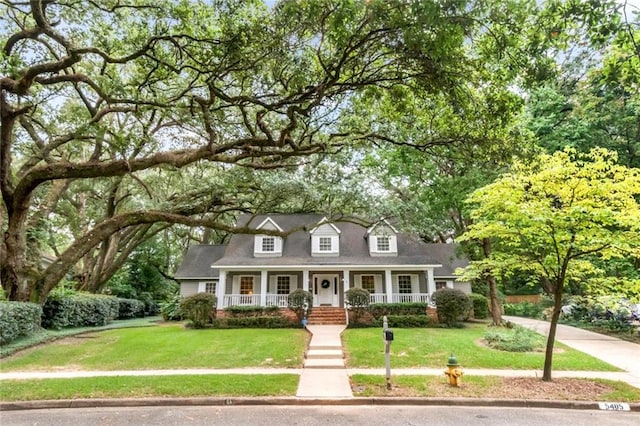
(240, 401)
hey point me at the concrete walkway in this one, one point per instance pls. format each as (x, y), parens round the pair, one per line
(324, 374)
(616, 352)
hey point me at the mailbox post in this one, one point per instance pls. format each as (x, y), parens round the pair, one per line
(387, 336)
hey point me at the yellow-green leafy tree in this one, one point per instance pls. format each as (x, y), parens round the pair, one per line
(552, 216)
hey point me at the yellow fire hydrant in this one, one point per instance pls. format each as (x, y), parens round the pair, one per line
(453, 371)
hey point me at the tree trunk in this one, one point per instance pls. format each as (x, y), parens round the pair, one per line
(494, 302)
(557, 305)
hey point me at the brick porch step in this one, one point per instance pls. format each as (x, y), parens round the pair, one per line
(327, 316)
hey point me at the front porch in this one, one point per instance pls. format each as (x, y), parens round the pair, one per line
(280, 300)
(270, 286)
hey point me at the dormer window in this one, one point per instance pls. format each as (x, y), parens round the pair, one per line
(382, 243)
(268, 245)
(383, 239)
(325, 239)
(324, 243)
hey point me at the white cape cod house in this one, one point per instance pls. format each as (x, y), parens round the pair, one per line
(325, 258)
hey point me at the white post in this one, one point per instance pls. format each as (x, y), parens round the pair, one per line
(221, 288)
(389, 285)
(263, 288)
(431, 283)
(345, 280)
(305, 279)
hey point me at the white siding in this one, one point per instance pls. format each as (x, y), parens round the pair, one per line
(465, 287)
(188, 288)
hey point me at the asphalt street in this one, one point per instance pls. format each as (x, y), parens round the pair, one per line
(317, 415)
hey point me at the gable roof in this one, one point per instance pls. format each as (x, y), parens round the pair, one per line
(325, 221)
(354, 249)
(197, 262)
(382, 221)
(267, 221)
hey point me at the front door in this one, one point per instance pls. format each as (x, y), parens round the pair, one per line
(325, 290)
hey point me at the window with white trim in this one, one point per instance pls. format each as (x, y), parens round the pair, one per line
(441, 284)
(246, 285)
(368, 283)
(268, 244)
(324, 244)
(210, 287)
(382, 243)
(283, 284)
(404, 284)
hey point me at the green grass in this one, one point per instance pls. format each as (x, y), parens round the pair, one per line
(431, 347)
(166, 347)
(149, 386)
(487, 387)
(44, 335)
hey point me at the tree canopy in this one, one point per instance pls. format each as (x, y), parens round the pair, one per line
(111, 110)
(551, 216)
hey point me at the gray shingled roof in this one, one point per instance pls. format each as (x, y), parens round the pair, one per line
(197, 262)
(353, 247)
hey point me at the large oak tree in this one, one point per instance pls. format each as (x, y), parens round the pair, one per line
(106, 105)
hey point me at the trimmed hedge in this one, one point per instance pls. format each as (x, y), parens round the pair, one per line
(297, 300)
(378, 310)
(453, 305)
(18, 319)
(79, 310)
(130, 308)
(480, 306)
(252, 311)
(200, 308)
(269, 321)
(405, 321)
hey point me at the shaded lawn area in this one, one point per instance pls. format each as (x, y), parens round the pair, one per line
(495, 387)
(165, 347)
(431, 348)
(150, 386)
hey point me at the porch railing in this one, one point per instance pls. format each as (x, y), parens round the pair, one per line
(378, 298)
(279, 300)
(241, 299)
(399, 297)
(410, 297)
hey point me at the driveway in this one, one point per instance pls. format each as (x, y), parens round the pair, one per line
(616, 352)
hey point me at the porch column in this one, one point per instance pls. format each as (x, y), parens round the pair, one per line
(388, 285)
(221, 288)
(431, 283)
(263, 287)
(345, 280)
(305, 279)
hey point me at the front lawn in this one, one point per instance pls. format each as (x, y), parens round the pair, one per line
(165, 347)
(149, 386)
(431, 347)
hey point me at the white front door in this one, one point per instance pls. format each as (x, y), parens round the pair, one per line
(326, 289)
